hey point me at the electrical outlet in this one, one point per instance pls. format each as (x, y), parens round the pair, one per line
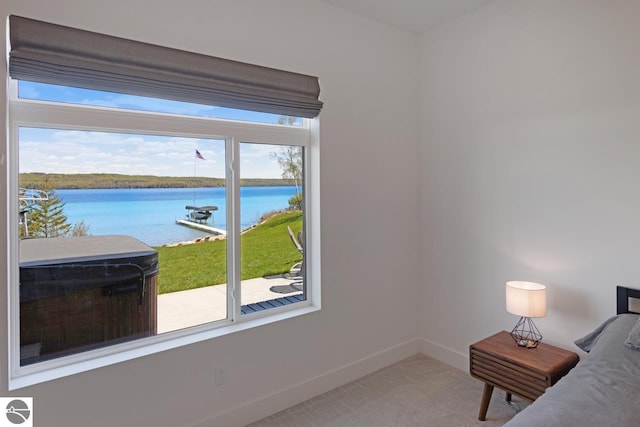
(220, 376)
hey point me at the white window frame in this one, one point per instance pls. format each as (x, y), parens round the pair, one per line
(44, 114)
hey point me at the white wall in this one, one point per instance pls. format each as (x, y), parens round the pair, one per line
(527, 163)
(369, 158)
(530, 156)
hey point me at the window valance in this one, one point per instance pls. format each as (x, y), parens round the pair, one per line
(56, 54)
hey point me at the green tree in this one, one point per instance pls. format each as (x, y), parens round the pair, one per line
(295, 202)
(290, 161)
(46, 217)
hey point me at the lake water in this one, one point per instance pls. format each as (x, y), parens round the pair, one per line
(150, 214)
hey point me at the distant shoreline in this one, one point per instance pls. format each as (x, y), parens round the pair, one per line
(150, 214)
(116, 181)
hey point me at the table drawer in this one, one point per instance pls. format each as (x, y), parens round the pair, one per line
(507, 375)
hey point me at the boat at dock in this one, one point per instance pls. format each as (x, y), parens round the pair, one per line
(197, 217)
(200, 214)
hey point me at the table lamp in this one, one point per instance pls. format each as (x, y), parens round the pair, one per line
(527, 300)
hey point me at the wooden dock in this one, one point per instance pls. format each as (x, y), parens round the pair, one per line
(202, 227)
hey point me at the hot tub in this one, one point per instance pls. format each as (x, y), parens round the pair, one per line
(81, 293)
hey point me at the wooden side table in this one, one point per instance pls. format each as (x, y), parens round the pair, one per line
(525, 372)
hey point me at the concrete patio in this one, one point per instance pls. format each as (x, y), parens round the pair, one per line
(178, 310)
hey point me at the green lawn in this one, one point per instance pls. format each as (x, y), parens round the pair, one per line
(265, 250)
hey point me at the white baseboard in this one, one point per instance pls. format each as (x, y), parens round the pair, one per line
(282, 399)
(445, 354)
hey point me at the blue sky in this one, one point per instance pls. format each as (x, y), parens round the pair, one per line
(71, 151)
(47, 92)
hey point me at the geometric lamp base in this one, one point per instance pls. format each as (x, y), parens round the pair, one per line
(525, 333)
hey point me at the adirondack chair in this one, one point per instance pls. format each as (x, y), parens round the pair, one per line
(297, 270)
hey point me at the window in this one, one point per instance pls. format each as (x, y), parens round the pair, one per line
(139, 224)
(56, 93)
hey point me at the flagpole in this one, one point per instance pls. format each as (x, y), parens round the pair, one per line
(195, 158)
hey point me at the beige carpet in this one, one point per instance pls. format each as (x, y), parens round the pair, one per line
(418, 391)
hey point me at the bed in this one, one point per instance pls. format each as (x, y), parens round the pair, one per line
(604, 388)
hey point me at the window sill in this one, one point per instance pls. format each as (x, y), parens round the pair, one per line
(74, 364)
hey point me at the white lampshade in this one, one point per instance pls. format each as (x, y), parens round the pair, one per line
(526, 299)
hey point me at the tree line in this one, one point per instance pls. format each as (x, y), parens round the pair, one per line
(111, 181)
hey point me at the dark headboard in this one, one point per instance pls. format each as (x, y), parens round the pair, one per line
(622, 299)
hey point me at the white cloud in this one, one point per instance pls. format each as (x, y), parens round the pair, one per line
(71, 151)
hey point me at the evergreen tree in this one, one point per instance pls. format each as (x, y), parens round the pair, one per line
(46, 217)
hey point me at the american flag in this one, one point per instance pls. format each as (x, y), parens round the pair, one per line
(199, 156)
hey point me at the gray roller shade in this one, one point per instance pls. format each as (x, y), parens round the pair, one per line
(55, 54)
